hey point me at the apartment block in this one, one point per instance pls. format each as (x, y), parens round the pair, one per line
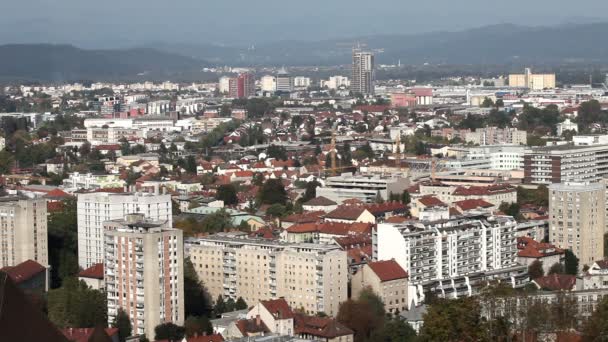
(577, 219)
(23, 231)
(363, 74)
(309, 276)
(144, 272)
(565, 164)
(387, 279)
(363, 188)
(97, 207)
(452, 257)
(495, 135)
(532, 81)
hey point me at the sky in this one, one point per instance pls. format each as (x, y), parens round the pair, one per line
(125, 23)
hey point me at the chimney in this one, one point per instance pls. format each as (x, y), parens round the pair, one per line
(258, 320)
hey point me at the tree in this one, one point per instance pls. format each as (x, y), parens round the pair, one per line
(571, 263)
(311, 190)
(556, 268)
(453, 320)
(197, 301)
(535, 269)
(405, 197)
(227, 193)
(277, 152)
(123, 323)
(195, 326)
(85, 150)
(63, 242)
(74, 304)
(276, 210)
(511, 209)
(7, 161)
(169, 331)
(240, 304)
(364, 315)
(596, 327)
(220, 306)
(394, 330)
(272, 192)
(190, 165)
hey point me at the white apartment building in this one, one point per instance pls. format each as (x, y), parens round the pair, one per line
(302, 82)
(96, 208)
(362, 187)
(110, 135)
(591, 139)
(495, 157)
(23, 231)
(577, 219)
(89, 181)
(452, 257)
(144, 272)
(313, 277)
(495, 136)
(224, 84)
(336, 82)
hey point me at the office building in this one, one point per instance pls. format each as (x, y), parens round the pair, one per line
(452, 257)
(565, 164)
(336, 82)
(577, 214)
(532, 81)
(362, 81)
(23, 231)
(309, 276)
(302, 82)
(98, 207)
(144, 272)
(242, 86)
(285, 82)
(364, 188)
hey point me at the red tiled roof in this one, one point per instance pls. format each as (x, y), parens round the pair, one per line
(108, 147)
(95, 272)
(556, 282)
(530, 248)
(474, 203)
(381, 208)
(340, 228)
(83, 334)
(349, 212)
(484, 190)
(23, 271)
(278, 308)
(306, 217)
(431, 201)
(320, 201)
(324, 327)
(388, 270)
(395, 219)
(250, 326)
(309, 227)
(359, 254)
(57, 193)
(422, 91)
(206, 338)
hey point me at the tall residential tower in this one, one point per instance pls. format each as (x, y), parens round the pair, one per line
(362, 81)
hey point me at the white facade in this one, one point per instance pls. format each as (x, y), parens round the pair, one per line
(302, 82)
(224, 84)
(268, 83)
(23, 231)
(567, 125)
(96, 208)
(335, 82)
(144, 272)
(89, 181)
(449, 256)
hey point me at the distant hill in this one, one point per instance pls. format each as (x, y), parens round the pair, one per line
(497, 44)
(47, 62)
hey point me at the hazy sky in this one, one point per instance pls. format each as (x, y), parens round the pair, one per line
(116, 23)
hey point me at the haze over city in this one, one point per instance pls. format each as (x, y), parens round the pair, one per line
(117, 23)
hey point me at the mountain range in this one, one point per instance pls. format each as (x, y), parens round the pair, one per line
(502, 44)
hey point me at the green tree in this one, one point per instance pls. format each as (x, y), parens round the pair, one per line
(169, 331)
(535, 269)
(364, 316)
(272, 192)
(74, 304)
(7, 162)
(240, 304)
(311, 190)
(405, 197)
(197, 301)
(227, 193)
(123, 323)
(571, 263)
(220, 306)
(190, 165)
(276, 210)
(62, 230)
(596, 327)
(277, 152)
(453, 320)
(556, 268)
(197, 326)
(394, 330)
(511, 209)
